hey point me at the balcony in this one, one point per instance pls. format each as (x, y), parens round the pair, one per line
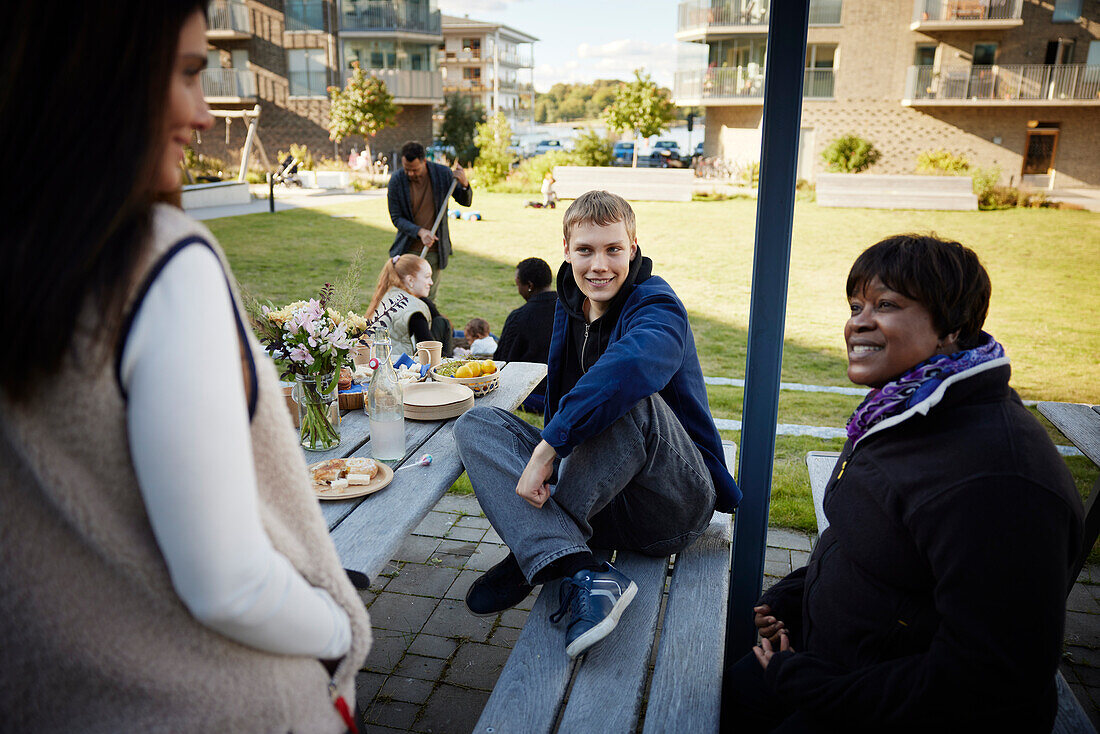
(411, 87)
(702, 19)
(461, 57)
(305, 15)
(228, 20)
(471, 86)
(1040, 85)
(521, 61)
(228, 86)
(308, 83)
(961, 15)
(743, 86)
(370, 17)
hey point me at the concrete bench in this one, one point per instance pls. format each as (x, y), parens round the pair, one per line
(607, 688)
(219, 193)
(633, 184)
(876, 191)
(1071, 718)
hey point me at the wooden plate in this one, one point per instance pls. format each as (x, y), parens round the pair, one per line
(381, 480)
(421, 396)
(441, 412)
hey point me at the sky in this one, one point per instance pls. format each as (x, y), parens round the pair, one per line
(584, 40)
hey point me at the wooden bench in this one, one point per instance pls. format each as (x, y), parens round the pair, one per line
(633, 184)
(680, 610)
(1071, 718)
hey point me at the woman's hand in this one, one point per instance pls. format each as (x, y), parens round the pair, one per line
(764, 651)
(766, 623)
(533, 484)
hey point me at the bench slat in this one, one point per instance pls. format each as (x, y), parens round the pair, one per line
(1071, 718)
(687, 680)
(608, 686)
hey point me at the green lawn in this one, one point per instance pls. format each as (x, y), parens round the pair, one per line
(1045, 267)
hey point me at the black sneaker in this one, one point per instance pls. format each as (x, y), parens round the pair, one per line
(501, 587)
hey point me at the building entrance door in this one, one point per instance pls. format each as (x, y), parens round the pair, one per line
(1039, 151)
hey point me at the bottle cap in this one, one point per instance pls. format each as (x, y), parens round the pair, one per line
(373, 363)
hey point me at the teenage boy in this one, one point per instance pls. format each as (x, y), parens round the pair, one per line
(629, 457)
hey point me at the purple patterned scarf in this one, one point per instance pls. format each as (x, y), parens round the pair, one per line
(918, 383)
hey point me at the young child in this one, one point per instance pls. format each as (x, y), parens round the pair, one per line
(629, 457)
(477, 335)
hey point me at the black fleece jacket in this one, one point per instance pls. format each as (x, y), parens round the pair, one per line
(935, 599)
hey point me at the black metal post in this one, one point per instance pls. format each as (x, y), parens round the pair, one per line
(271, 192)
(783, 79)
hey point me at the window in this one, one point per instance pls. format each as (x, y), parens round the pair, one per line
(472, 46)
(371, 54)
(1093, 58)
(820, 60)
(213, 59)
(985, 54)
(307, 72)
(1066, 11)
(1059, 52)
(471, 72)
(240, 58)
(925, 56)
(820, 55)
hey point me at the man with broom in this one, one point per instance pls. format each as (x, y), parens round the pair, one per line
(418, 194)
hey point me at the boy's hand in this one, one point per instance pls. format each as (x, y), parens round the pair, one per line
(533, 485)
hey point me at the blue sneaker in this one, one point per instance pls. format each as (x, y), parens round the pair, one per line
(595, 601)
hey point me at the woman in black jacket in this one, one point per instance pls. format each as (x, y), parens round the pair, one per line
(935, 599)
(525, 336)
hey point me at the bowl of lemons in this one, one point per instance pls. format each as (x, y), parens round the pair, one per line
(480, 375)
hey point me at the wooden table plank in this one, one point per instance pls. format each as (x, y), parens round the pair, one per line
(368, 534)
(1077, 422)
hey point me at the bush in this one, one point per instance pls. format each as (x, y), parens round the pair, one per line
(850, 154)
(748, 174)
(203, 166)
(531, 172)
(492, 139)
(985, 182)
(942, 163)
(301, 153)
(592, 149)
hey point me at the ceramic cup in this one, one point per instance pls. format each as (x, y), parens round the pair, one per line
(429, 353)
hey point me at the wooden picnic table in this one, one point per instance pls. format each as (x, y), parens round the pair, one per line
(368, 530)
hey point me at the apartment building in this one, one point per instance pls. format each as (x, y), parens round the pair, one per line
(282, 55)
(491, 64)
(1011, 83)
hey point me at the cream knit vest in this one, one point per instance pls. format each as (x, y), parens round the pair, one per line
(401, 340)
(93, 638)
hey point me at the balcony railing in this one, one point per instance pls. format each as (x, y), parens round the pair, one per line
(390, 15)
(744, 83)
(305, 15)
(516, 59)
(749, 15)
(1004, 84)
(466, 85)
(228, 83)
(308, 83)
(228, 17)
(407, 84)
(965, 12)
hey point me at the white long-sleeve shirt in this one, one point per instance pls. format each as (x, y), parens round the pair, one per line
(191, 445)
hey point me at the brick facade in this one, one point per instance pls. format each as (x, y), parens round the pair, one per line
(875, 48)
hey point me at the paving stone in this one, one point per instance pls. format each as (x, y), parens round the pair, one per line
(528, 603)
(367, 596)
(513, 618)
(386, 651)
(420, 667)
(462, 585)
(777, 568)
(397, 714)
(1081, 600)
(409, 690)
(477, 666)
(366, 728)
(423, 580)
(1083, 629)
(505, 637)
(367, 686)
(1083, 656)
(770, 581)
(493, 537)
(450, 619)
(471, 535)
(781, 538)
(486, 556)
(417, 549)
(434, 524)
(433, 646)
(452, 709)
(474, 521)
(778, 555)
(454, 553)
(799, 559)
(463, 504)
(1087, 676)
(401, 612)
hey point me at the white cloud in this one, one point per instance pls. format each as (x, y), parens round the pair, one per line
(612, 60)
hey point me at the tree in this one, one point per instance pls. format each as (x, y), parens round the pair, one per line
(492, 140)
(592, 149)
(363, 107)
(460, 120)
(640, 107)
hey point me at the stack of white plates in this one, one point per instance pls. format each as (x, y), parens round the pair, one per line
(432, 401)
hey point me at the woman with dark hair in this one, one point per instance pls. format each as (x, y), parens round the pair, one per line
(934, 600)
(525, 336)
(165, 564)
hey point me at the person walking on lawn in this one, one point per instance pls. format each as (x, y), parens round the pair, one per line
(415, 195)
(629, 457)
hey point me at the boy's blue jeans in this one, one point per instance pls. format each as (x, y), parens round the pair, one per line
(640, 485)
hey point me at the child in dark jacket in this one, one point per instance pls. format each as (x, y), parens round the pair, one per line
(629, 457)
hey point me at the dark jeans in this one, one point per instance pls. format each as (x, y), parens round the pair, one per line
(641, 485)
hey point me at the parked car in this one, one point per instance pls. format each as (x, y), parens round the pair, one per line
(665, 153)
(622, 154)
(698, 151)
(548, 146)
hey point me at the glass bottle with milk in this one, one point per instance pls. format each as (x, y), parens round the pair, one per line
(385, 404)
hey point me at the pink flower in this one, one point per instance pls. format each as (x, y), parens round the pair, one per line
(298, 354)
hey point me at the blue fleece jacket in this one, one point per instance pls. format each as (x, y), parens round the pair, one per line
(651, 350)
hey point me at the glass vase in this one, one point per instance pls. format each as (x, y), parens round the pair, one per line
(318, 411)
